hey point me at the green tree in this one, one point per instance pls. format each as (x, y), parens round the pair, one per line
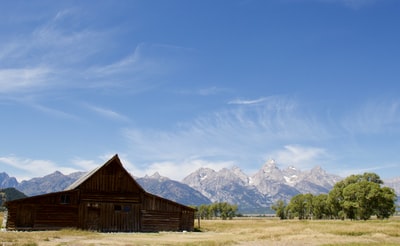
(203, 211)
(227, 211)
(320, 208)
(360, 197)
(213, 210)
(349, 204)
(280, 209)
(372, 177)
(386, 203)
(308, 206)
(297, 206)
(232, 211)
(335, 200)
(222, 210)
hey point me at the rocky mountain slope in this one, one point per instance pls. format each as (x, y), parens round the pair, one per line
(172, 190)
(49, 183)
(227, 185)
(281, 184)
(7, 181)
(259, 191)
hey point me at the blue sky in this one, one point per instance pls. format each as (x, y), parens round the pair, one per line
(172, 86)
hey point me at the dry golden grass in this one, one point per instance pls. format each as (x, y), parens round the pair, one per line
(247, 231)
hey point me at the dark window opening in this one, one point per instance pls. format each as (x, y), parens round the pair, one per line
(117, 208)
(127, 208)
(65, 199)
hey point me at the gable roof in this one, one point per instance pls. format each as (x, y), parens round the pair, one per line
(85, 177)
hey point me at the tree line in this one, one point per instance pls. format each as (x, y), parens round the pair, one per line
(356, 197)
(221, 210)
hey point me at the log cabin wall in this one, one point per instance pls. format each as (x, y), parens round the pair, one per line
(45, 212)
(162, 214)
(109, 217)
(187, 220)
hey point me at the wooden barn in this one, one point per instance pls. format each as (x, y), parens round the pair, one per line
(107, 199)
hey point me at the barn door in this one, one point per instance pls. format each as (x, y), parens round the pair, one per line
(25, 217)
(125, 218)
(92, 220)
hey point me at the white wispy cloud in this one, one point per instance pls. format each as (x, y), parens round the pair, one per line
(126, 64)
(247, 102)
(21, 79)
(206, 91)
(145, 68)
(374, 117)
(62, 53)
(371, 167)
(107, 113)
(57, 42)
(240, 135)
(28, 168)
(303, 157)
(87, 165)
(53, 112)
(63, 13)
(46, 56)
(64, 40)
(213, 90)
(65, 49)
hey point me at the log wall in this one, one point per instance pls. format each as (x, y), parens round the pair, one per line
(51, 211)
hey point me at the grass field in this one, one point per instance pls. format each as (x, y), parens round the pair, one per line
(248, 231)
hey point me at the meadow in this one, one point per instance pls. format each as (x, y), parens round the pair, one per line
(244, 231)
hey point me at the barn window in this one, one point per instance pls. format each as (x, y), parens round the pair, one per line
(92, 205)
(127, 208)
(65, 199)
(117, 208)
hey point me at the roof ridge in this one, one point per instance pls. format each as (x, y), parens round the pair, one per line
(86, 176)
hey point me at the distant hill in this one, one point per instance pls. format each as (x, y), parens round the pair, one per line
(9, 194)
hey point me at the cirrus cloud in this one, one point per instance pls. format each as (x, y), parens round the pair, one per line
(27, 168)
(240, 135)
(302, 157)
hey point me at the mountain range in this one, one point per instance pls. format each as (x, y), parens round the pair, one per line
(256, 193)
(253, 194)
